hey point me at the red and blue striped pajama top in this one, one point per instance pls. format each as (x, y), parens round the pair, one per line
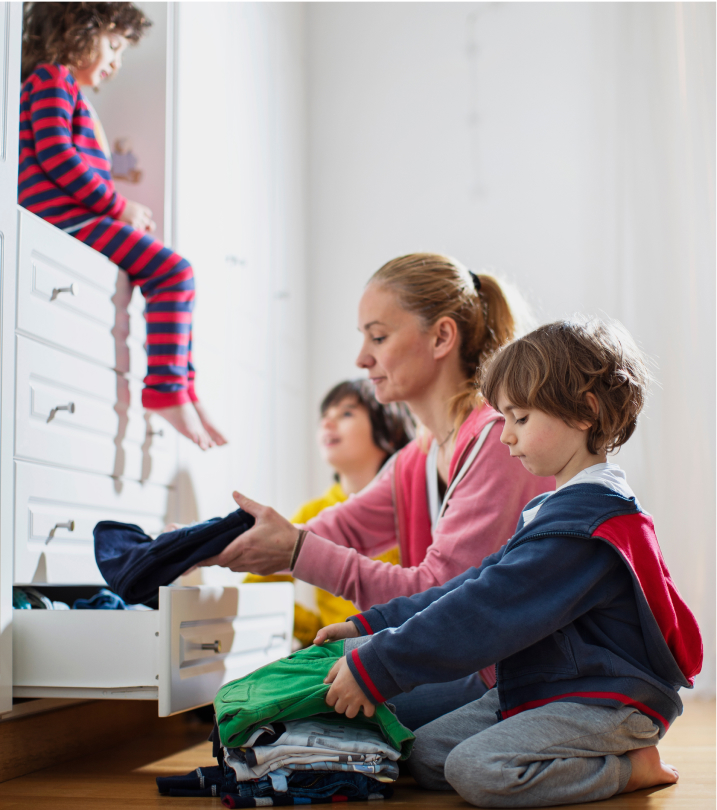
(64, 177)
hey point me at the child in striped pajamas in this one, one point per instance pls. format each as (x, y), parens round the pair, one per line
(64, 177)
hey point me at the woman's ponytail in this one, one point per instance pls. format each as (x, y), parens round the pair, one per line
(498, 322)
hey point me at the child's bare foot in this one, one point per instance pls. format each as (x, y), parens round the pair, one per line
(184, 419)
(217, 437)
(649, 770)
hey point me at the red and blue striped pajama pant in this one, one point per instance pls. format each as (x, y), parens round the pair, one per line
(166, 280)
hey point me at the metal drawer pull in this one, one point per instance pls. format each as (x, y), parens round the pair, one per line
(272, 639)
(73, 289)
(68, 524)
(155, 433)
(216, 646)
(70, 407)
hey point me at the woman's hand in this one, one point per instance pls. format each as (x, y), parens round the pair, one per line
(265, 548)
(345, 695)
(138, 216)
(335, 632)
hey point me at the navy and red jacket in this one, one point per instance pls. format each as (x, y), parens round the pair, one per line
(64, 176)
(578, 606)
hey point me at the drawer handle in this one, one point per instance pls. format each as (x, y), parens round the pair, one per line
(68, 524)
(216, 646)
(272, 639)
(159, 433)
(73, 289)
(70, 408)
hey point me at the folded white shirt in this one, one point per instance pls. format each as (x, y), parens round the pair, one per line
(306, 742)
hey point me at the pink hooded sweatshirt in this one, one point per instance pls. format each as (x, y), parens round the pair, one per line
(481, 516)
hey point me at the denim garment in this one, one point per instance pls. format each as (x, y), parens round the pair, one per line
(200, 782)
(303, 788)
(298, 788)
(427, 702)
(135, 566)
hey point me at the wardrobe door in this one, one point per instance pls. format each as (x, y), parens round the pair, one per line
(10, 43)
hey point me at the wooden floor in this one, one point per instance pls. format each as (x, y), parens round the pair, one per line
(123, 777)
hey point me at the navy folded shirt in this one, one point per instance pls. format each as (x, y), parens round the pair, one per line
(135, 566)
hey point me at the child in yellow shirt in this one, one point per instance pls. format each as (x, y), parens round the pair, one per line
(356, 435)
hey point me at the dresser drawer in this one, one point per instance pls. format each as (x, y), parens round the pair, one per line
(198, 640)
(72, 296)
(74, 413)
(48, 496)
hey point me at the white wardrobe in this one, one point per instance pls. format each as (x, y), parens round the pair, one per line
(75, 448)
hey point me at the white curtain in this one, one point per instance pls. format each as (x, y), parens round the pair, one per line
(657, 273)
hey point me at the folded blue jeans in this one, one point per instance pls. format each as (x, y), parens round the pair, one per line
(427, 702)
(284, 787)
(302, 787)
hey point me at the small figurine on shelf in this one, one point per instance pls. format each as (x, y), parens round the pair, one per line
(124, 162)
(65, 178)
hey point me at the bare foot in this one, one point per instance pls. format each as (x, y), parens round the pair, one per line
(217, 437)
(184, 419)
(649, 770)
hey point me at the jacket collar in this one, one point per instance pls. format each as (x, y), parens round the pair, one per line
(578, 509)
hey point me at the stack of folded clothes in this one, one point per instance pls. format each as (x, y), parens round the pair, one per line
(277, 742)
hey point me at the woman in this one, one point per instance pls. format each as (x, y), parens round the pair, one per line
(447, 501)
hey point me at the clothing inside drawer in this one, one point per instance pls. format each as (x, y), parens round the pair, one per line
(180, 654)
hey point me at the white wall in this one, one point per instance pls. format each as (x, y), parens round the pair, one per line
(568, 146)
(240, 220)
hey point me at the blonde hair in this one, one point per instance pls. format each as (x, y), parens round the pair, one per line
(432, 286)
(555, 366)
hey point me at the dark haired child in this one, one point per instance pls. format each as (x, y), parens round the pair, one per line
(356, 435)
(64, 177)
(591, 637)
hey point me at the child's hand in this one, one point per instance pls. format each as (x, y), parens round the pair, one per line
(335, 632)
(138, 216)
(345, 695)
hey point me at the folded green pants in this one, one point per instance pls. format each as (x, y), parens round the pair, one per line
(291, 689)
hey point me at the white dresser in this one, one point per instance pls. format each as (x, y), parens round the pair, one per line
(85, 451)
(75, 448)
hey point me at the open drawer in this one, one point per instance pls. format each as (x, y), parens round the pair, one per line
(198, 640)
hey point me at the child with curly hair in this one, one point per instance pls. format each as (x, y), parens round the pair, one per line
(64, 177)
(592, 638)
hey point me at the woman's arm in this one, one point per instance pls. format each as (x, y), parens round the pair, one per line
(52, 104)
(365, 520)
(481, 516)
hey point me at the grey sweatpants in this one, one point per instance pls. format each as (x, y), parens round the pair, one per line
(561, 753)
